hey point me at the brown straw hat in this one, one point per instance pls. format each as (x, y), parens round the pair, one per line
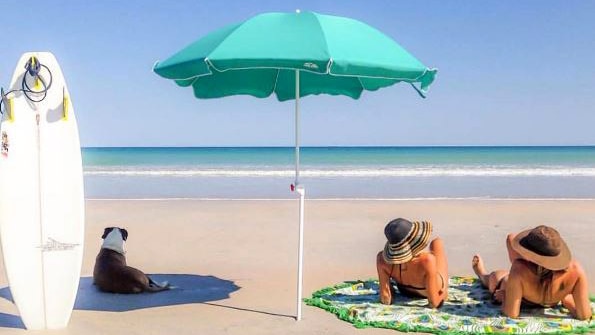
(543, 246)
(406, 239)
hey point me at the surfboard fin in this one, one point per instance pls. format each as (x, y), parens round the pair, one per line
(7, 105)
(65, 103)
(10, 110)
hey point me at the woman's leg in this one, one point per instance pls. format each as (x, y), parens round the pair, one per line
(489, 280)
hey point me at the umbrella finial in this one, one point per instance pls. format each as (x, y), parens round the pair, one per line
(297, 11)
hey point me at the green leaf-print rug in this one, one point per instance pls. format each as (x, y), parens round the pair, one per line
(468, 310)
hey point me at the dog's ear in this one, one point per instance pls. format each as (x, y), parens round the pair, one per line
(124, 233)
(106, 231)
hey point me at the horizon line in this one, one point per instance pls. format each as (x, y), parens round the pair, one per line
(350, 146)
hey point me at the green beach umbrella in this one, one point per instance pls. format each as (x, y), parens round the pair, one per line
(293, 55)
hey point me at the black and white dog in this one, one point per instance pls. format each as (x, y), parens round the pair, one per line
(111, 274)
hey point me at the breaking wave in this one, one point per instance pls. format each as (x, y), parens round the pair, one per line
(431, 171)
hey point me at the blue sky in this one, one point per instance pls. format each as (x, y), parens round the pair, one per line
(510, 73)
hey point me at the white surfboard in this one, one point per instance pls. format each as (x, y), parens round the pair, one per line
(41, 196)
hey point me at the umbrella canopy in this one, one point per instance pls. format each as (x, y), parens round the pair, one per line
(294, 55)
(335, 55)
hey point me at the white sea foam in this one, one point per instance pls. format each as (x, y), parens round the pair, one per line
(469, 171)
(345, 199)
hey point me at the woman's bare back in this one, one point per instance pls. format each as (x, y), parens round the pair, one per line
(426, 275)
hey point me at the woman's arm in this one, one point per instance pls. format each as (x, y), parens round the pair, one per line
(580, 295)
(383, 279)
(511, 304)
(512, 255)
(428, 262)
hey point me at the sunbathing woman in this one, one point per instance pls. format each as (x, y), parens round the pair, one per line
(417, 273)
(542, 273)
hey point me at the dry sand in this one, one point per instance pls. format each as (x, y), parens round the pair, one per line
(235, 261)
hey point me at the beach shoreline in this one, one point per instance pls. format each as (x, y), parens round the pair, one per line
(340, 172)
(246, 250)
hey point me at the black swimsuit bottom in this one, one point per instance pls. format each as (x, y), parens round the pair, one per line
(524, 302)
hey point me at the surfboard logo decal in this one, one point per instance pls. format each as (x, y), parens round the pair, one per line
(5, 144)
(53, 245)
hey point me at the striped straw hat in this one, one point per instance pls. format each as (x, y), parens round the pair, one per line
(406, 239)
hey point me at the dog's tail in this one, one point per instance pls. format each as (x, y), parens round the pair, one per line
(157, 287)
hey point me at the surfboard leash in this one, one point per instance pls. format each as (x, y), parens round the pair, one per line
(33, 68)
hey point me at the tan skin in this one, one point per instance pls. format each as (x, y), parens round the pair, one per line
(568, 286)
(421, 271)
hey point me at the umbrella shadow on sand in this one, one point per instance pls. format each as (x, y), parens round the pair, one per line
(187, 289)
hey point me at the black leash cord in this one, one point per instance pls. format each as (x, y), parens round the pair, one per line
(33, 69)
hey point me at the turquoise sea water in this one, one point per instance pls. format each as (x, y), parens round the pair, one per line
(341, 172)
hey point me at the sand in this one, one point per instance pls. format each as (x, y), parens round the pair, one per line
(235, 261)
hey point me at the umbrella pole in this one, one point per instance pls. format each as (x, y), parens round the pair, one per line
(302, 192)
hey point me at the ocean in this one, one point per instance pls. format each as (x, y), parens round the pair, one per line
(340, 172)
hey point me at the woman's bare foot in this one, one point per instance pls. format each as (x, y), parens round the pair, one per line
(480, 271)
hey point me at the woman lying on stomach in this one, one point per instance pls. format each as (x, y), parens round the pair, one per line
(542, 273)
(417, 273)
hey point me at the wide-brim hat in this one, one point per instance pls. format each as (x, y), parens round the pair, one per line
(406, 239)
(543, 246)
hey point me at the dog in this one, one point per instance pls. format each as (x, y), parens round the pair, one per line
(111, 274)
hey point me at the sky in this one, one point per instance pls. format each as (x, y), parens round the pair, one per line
(509, 73)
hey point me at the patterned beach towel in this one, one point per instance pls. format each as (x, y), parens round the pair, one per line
(468, 310)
